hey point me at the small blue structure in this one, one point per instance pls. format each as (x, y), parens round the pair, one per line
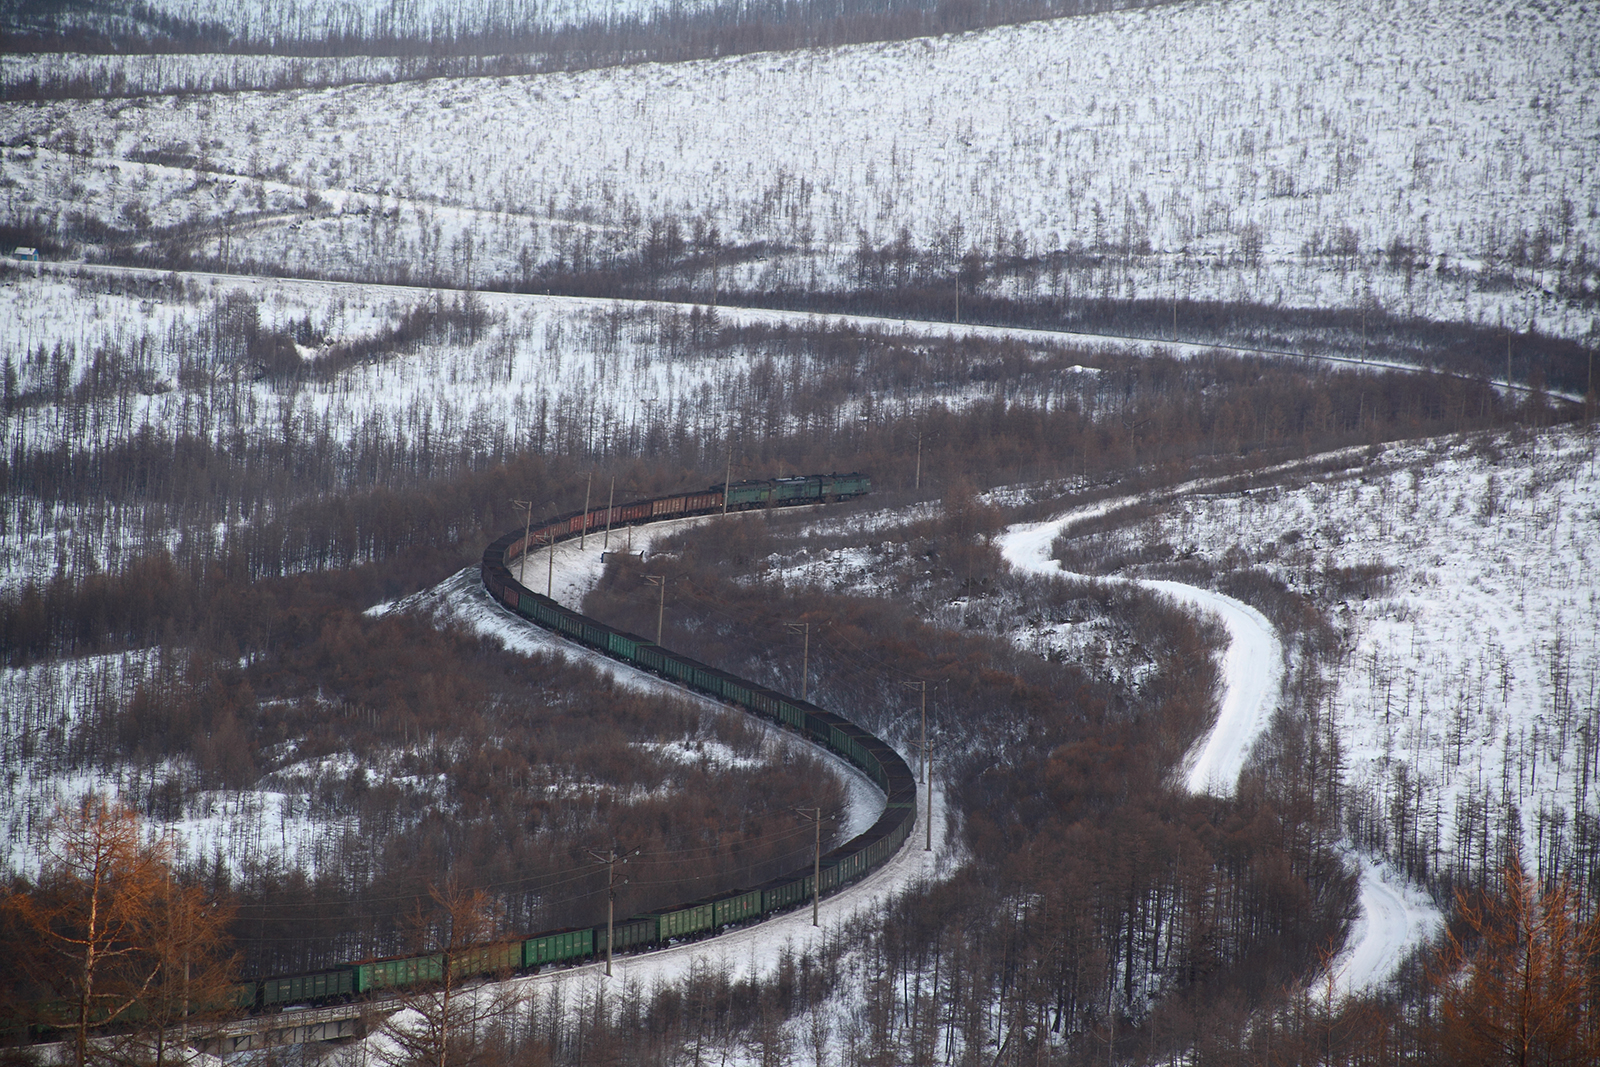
(26, 254)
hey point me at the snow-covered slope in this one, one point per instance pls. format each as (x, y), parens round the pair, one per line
(1251, 665)
(1466, 696)
(1253, 148)
(1465, 702)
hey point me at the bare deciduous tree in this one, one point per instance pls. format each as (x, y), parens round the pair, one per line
(445, 1025)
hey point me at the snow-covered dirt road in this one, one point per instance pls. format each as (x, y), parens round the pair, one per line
(1394, 918)
(263, 286)
(1250, 667)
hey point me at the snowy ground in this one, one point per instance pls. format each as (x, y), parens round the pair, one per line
(748, 953)
(1468, 690)
(1251, 666)
(570, 573)
(1394, 918)
(605, 369)
(1393, 155)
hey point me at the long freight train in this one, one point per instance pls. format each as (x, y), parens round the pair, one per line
(846, 863)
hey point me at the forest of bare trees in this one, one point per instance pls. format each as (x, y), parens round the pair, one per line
(224, 559)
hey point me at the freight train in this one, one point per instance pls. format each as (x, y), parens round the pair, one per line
(674, 922)
(844, 864)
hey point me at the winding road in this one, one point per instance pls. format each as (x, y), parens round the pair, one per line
(1394, 918)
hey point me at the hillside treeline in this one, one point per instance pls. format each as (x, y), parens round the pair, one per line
(1100, 894)
(488, 40)
(1010, 284)
(1101, 900)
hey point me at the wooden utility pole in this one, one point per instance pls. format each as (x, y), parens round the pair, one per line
(527, 522)
(611, 502)
(583, 531)
(922, 759)
(661, 607)
(550, 567)
(815, 815)
(727, 475)
(611, 857)
(804, 629)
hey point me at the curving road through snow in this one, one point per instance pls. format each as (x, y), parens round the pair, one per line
(1250, 667)
(1394, 918)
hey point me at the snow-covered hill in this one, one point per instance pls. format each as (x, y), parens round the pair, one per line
(1465, 695)
(1391, 155)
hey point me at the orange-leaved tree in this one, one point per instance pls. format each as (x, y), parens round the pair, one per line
(104, 923)
(1519, 986)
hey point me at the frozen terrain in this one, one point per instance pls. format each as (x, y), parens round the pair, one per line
(1466, 698)
(1251, 666)
(1408, 157)
(1394, 917)
(282, 21)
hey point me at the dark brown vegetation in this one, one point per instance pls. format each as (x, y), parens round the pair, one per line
(1103, 906)
(494, 41)
(1098, 888)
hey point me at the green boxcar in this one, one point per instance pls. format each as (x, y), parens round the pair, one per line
(554, 948)
(789, 713)
(695, 919)
(736, 908)
(303, 988)
(642, 930)
(623, 646)
(393, 974)
(486, 959)
(785, 894)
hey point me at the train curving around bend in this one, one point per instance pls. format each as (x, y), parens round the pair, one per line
(672, 922)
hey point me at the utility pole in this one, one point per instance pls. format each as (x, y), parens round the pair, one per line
(804, 629)
(527, 521)
(550, 567)
(583, 532)
(727, 475)
(611, 502)
(922, 759)
(815, 815)
(661, 607)
(611, 858)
